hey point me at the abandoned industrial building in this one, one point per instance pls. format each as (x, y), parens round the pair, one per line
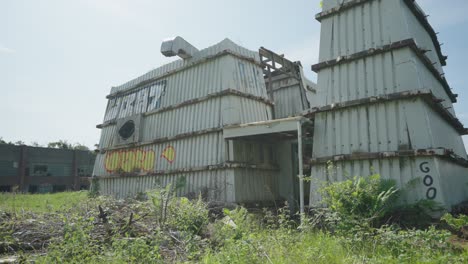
(41, 170)
(242, 125)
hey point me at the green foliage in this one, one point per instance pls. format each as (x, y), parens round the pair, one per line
(161, 197)
(362, 198)
(178, 213)
(456, 222)
(63, 144)
(189, 216)
(135, 250)
(94, 188)
(76, 245)
(170, 229)
(236, 224)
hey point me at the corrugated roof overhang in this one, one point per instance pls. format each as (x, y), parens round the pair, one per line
(277, 126)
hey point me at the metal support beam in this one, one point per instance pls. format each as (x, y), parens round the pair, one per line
(301, 167)
(220, 166)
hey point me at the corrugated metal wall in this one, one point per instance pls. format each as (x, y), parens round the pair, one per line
(370, 25)
(256, 185)
(356, 65)
(410, 174)
(289, 101)
(219, 86)
(192, 152)
(391, 72)
(218, 183)
(398, 125)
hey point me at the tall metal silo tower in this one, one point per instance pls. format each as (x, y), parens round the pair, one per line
(388, 109)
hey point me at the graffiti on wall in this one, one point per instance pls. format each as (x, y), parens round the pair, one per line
(130, 161)
(140, 101)
(169, 154)
(428, 181)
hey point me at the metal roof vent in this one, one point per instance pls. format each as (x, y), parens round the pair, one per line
(178, 46)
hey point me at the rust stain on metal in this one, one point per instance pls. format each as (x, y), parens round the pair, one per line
(410, 43)
(429, 98)
(440, 152)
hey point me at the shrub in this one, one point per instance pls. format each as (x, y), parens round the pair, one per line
(365, 199)
(135, 250)
(458, 224)
(189, 216)
(94, 188)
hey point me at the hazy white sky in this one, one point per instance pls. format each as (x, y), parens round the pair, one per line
(58, 58)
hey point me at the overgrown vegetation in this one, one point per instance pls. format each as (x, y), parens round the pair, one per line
(162, 228)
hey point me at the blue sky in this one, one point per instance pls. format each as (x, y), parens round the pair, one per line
(58, 59)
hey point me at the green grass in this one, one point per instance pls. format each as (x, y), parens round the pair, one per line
(41, 203)
(77, 235)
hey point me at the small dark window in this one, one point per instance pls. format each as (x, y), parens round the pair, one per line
(127, 130)
(82, 172)
(40, 170)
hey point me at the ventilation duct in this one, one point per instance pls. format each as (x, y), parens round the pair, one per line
(178, 46)
(128, 130)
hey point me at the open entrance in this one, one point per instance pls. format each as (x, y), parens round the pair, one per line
(291, 145)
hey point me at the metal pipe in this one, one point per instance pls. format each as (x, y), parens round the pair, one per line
(301, 167)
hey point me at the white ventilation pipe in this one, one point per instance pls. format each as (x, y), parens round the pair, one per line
(178, 46)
